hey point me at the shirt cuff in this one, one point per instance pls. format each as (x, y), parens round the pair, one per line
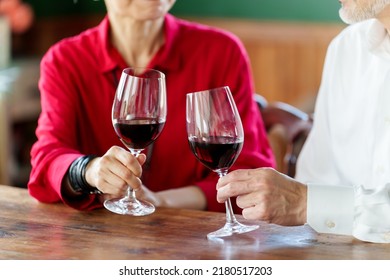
(372, 208)
(330, 209)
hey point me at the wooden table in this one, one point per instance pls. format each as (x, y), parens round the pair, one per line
(32, 230)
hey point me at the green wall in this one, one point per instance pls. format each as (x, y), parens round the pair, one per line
(295, 10)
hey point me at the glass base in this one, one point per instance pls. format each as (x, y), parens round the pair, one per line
(125, 206)
(231, 228)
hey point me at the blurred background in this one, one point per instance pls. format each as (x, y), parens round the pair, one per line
(286, 41)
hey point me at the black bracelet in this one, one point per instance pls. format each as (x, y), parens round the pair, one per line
(76, 176)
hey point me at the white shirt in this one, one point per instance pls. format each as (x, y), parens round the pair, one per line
(346, 158)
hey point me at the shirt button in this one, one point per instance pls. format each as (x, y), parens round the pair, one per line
(330, 224)
(387, 120)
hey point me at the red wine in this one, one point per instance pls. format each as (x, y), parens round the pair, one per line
(216, 152)
(138, 133)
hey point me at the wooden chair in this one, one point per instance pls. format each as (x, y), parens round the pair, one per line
(287, 128)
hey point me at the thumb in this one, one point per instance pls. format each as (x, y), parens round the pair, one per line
(141, 158)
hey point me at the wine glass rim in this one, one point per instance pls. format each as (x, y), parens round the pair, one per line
(210, 89)
(141, 70)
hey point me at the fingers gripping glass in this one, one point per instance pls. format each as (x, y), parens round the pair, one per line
(216, 137)
(138, 115)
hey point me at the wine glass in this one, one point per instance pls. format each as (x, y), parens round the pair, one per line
(138, 115)
(216, 137)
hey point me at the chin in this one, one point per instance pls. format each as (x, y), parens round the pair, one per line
(350, 18)
(345, 18)
(152, 14)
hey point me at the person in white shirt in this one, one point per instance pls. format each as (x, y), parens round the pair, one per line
(342, 184)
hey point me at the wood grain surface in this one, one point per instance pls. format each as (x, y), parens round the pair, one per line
(33, 230)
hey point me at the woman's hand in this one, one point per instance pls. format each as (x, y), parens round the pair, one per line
(188, 197)
(115, 171)
(265, 194)
(146, 194)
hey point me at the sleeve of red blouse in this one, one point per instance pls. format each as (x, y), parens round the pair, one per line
(55, 150)
(256, 152)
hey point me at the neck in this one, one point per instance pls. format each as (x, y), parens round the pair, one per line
(384, 18)
(137, 41)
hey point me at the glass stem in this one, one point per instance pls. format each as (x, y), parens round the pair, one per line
(130, 193)
(230, 217)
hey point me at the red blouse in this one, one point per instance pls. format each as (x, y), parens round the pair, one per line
(77, 84)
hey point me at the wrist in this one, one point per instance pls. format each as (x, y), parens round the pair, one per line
(161, 200)
(90, 173)
(77, 176)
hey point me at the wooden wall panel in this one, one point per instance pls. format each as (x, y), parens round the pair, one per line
(4, 141)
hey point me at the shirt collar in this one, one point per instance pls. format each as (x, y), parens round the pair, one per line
(378, 39)
(164, 60)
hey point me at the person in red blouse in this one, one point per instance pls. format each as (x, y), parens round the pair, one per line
(78, 80)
